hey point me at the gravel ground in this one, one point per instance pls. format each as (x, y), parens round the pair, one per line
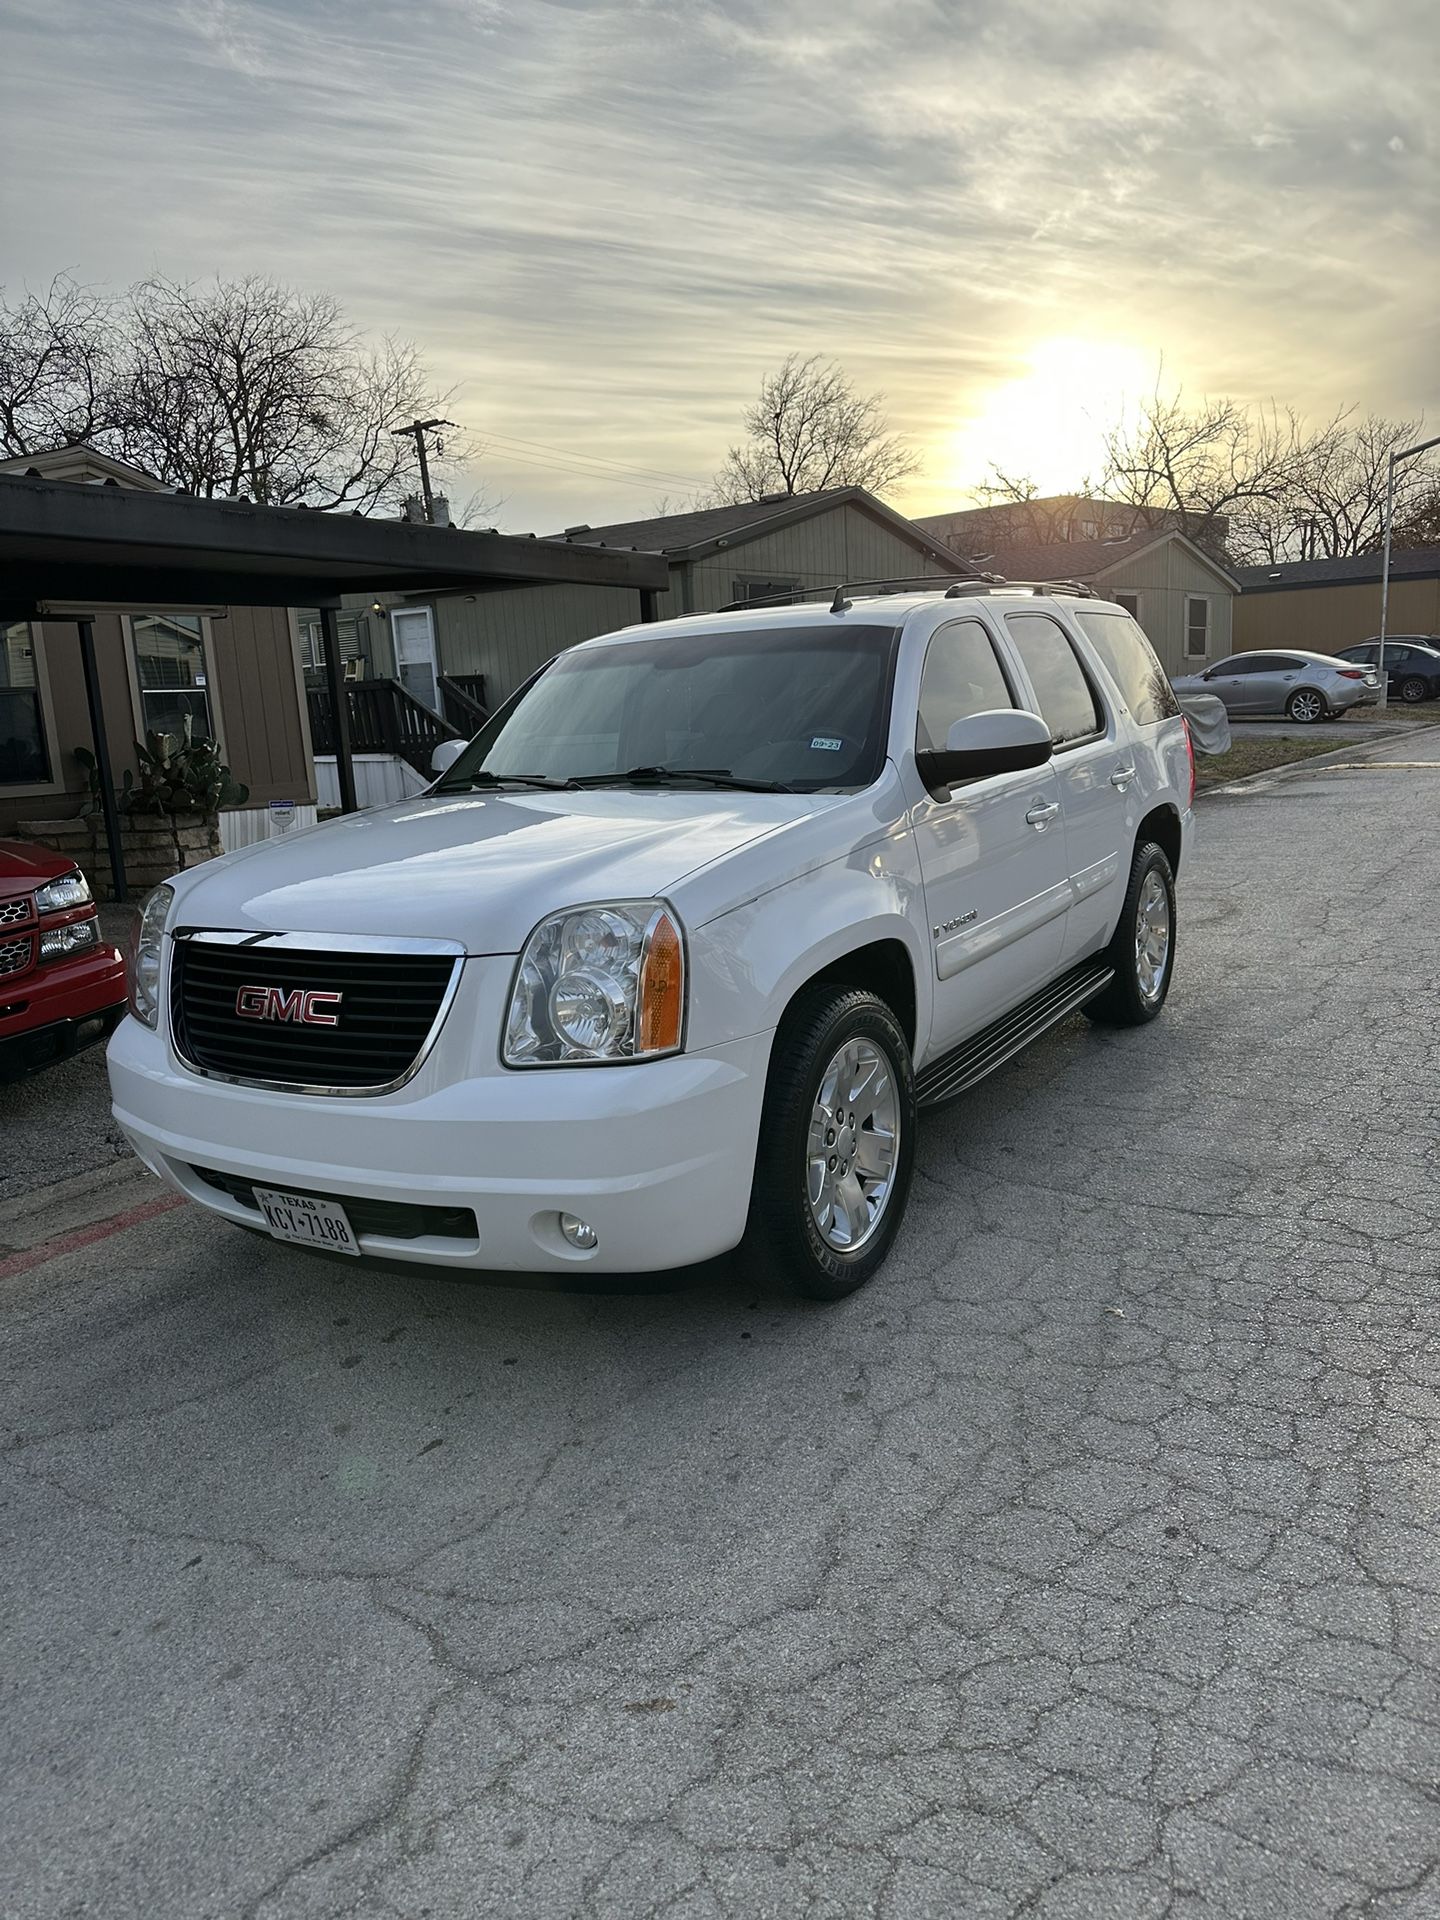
(1084, 1566)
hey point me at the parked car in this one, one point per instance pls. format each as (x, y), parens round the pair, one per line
(61, 986)
(673, 952)
(1412, 664)
(1304, 686)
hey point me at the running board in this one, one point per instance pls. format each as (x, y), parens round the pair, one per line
(954, 1072)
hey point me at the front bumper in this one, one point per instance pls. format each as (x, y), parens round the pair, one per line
(52, 1011)
(657, 1157)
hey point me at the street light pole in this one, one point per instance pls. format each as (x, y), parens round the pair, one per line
(1404, 453)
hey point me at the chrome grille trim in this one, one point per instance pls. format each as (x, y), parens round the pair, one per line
(318, 943)
(16, 955)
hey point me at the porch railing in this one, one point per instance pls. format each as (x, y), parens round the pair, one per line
(384, 718)
(462, 700)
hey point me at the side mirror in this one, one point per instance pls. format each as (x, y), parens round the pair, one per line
(446, 754)
(1001, 740)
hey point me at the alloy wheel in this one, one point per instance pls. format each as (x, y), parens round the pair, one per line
(853, 1143)
(1152, 936)
(1307, 707)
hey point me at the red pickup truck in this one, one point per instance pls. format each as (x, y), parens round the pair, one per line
(61, 987)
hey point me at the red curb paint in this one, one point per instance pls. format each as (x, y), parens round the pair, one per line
(64, 1243)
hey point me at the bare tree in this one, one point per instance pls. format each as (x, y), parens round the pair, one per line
(57, 367)
(1419, 524)
(251, 387)
(1336, 504)
(1197, 470)
(809, 429)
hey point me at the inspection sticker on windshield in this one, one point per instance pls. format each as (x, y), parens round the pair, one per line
(826, 743)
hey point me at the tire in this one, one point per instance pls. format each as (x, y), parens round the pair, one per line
(1413, 691)
(1306, 705)
(786, 1232)
(1135, 996)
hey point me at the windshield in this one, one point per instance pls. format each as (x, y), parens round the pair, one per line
(802, 708)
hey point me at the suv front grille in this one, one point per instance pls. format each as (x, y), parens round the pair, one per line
(13, 911)
(380, 1010)
(15, 955)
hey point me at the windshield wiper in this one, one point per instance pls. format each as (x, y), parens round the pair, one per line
(487, 779)
(664, 776)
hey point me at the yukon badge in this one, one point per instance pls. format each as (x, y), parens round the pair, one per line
(961, 920)
(308, 1006)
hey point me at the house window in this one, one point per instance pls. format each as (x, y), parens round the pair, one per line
(749, 591)
(173, 674)
(1130, 602)
(1197, 627)
(312, 643)
(24, 753)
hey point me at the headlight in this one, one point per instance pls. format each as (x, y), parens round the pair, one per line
(70, 890)
(79, 937)
(145, 966)
(598, 983)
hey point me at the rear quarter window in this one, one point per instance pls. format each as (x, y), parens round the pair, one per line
(1132, 664)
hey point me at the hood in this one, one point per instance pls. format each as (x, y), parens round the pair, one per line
(24, 867)
(480, 868)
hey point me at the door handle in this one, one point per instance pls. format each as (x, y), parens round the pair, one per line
(1042, 813)
(1122, 776)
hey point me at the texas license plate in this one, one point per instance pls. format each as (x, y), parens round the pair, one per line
(306, 1221)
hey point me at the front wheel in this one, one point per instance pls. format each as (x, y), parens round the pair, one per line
(837, 1143)
(1142, 951)
(1306, 706)
(1413, 691)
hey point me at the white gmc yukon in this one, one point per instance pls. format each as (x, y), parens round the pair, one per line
(671, 955)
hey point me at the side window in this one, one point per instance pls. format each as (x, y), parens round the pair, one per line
(962, 675)
(1130, 661)
(1244, 663)
(1130, 602)
(1067, 700)
(24, 750)
(1197, 627)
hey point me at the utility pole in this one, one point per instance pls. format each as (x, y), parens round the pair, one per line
(416, 431)
(1405, 453)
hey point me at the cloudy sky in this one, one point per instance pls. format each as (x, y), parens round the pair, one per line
(603, 222)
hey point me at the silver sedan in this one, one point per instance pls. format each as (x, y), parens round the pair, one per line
(1304, 686)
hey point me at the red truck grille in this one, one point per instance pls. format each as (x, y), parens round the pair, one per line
(16, 955)
(14, 911)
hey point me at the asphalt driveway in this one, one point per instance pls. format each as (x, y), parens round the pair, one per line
(1084, 1566)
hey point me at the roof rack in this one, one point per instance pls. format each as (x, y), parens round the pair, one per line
(949, 586)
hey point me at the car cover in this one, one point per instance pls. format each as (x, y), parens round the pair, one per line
(1209, 722)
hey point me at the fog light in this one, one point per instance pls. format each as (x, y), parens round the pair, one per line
(578, 1232)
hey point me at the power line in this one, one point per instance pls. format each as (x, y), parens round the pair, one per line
(650, 474)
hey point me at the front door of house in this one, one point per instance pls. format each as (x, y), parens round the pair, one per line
(413, 630)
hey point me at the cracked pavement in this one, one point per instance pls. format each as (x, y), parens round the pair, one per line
(1084, 1566)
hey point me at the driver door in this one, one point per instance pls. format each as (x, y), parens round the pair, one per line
(992, 851)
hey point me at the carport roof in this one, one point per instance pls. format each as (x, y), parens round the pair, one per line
(64, 544)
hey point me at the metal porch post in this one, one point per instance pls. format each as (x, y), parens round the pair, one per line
(339, 708)
(86, 631)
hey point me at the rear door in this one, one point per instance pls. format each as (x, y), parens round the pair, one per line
(992, 851)
(1096, 770)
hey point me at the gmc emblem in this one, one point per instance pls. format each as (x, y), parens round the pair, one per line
(303, 1004)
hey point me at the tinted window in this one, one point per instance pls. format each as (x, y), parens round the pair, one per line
(807, 706)
(1252, 663)
(962, 675)
(1067, 702)
(1131, 663)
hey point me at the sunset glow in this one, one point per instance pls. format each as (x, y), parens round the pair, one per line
(1049, 423)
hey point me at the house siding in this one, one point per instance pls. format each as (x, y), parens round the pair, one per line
(1165, 577)
(257, 704)
(845, 544)
(1322, 619)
